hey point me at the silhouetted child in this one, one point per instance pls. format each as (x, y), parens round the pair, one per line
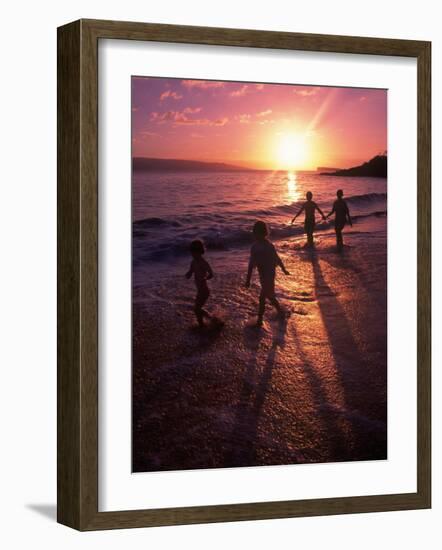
(203, 272)
(342, 215)
(309, 208)
(264, 257)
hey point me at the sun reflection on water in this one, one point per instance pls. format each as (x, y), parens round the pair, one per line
(292, 187)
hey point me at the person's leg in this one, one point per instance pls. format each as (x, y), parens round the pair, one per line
(276, 305)
(261, 306)
(306, 230)
(308, 227)
(200, 313)
(205, 314)
(271, 296)
(204, 298)
(339, 240)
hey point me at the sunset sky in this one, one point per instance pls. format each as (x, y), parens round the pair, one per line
(270, 126)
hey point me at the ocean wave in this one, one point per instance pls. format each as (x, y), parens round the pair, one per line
(354, 200)
(244, 216)
(366, 198)
(155, 222)
(219, 237)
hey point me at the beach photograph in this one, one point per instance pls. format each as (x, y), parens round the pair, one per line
(259, 274)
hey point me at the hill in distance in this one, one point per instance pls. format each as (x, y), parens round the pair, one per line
(326, 169)
(177, 165)
(374, 168)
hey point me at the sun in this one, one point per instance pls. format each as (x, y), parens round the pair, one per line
(291, 151)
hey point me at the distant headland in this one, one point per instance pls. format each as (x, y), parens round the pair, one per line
(326, 169)
(178, 165)
(374, 168)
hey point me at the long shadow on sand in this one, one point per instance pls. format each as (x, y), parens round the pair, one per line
(364, 401)
(337, 445)
(341, 261)
(255, 387)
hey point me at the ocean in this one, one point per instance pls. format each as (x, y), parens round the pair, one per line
(172, 209)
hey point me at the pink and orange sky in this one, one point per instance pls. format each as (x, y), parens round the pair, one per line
(269, 126)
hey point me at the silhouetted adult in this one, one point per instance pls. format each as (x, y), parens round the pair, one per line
(309, 208)
(342, 215)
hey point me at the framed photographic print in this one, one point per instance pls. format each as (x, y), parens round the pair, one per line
(243, 275)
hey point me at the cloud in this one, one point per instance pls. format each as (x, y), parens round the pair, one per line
(202, 84)
(172, 95)
(182, 118)
(173, 115)
(246, 89)
(220, 121)
(362, 98)
(148, 134)
(190, 110)
(240, 92)
(305, 92)
(244, 118)
(162, 117)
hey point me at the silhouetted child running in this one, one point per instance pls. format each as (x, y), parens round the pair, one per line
(342, 215)
(264, 257)
(309, 208)
(203, 272)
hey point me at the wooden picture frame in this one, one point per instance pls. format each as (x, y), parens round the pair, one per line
(78, 274)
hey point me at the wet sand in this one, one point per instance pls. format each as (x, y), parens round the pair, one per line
(311, 388)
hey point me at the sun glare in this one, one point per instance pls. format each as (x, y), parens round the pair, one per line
(291, 151)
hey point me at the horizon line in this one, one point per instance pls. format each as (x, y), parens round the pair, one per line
(247, 165)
